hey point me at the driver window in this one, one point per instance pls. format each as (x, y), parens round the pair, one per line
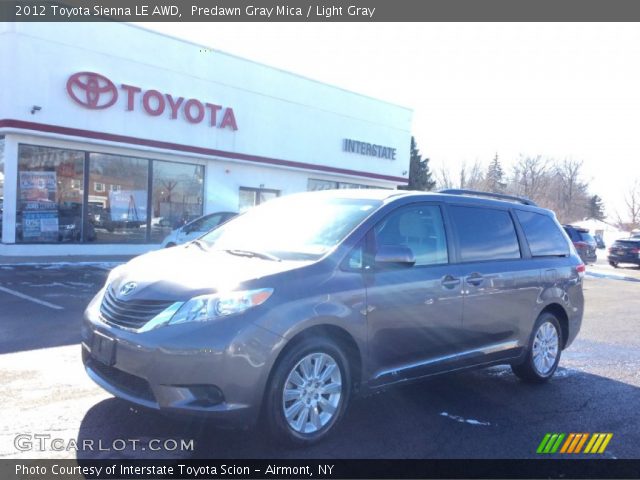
(419, 227)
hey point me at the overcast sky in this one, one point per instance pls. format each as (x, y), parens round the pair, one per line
(552, 89)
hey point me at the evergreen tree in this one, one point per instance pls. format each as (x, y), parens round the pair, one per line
(596, 208)
(495, 181)
(420, 177)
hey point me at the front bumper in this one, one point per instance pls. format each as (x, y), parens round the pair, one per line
(218, 370)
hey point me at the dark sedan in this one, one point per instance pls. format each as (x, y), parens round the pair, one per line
(624, 251)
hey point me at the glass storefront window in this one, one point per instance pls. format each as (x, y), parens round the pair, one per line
(250, 197)
(1, 182)
(177, 196)
(124, 196)
(315, 184)
(50, 195)
(118, 195)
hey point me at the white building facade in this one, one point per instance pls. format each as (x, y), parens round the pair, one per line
(111, 135)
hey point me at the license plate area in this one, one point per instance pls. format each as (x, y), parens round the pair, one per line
(103, 348)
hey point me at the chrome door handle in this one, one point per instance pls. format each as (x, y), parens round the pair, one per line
(450, 281)
(475, 279)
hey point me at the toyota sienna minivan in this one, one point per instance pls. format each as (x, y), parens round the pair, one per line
(285, 312)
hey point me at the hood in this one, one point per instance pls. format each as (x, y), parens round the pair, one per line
(180, 273)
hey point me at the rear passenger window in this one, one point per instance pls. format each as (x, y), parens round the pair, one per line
(543, 235)
(485, 234)
(418, 227)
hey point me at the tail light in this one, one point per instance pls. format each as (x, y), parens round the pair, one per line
(581, 245)
(581, 269)
(635, 250)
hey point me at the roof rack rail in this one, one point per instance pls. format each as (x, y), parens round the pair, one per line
(500, 196)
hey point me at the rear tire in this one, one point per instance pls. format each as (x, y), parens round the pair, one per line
(308, 393)
(614, 264)
(543, 352)
(169, 245)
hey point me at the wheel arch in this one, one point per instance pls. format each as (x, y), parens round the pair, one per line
(563, 319)
(332, 332)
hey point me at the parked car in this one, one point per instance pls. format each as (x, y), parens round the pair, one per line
(285, 312)
(583, 242)
(195, 228)
(624, 251)
(599, 241)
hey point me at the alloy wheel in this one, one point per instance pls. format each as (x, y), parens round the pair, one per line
(312, 393)
(545, 348)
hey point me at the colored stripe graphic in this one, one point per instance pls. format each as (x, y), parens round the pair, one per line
(543, 443)
(597, 443)
(590, 444)
(550, 443)
(582, 442)
(605, 443)
(570, 438)
(556, 445)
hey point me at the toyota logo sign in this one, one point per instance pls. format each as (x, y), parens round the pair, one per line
(97, 92)
(92, 90)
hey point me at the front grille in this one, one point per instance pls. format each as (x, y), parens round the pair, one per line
(130, 384)
(130, 313)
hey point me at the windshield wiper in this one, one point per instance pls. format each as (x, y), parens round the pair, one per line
(199, 244)
(250, 253)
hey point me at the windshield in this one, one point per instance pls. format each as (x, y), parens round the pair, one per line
(294, 228)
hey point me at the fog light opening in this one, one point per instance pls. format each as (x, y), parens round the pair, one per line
(205, 395)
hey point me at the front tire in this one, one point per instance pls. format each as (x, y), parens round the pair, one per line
(308, 393)
(614, 264)
(543, 352)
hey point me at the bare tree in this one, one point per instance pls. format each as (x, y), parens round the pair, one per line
(573, 193)
(530, 176)
(632, 201)
(555, 185)
(443, 179)
(476, 180)
(468, 178)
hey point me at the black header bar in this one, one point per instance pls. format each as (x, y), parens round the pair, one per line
(319, 10)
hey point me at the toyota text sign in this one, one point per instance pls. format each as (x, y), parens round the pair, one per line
(97, 92)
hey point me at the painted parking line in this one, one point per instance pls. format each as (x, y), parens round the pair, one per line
(31, 299)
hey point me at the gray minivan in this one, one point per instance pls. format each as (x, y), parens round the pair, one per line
(284, 312)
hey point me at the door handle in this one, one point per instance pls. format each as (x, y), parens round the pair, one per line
(449, 281)
(475, 279)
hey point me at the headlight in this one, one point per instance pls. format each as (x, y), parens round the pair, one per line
(211, 307)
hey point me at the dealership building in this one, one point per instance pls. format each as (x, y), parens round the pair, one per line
(112, 135)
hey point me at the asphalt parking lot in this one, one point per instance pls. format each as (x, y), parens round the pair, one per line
(478, 414)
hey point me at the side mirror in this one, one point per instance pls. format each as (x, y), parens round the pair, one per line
(394, 256)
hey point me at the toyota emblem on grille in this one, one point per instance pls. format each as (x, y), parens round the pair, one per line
(127, 288)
